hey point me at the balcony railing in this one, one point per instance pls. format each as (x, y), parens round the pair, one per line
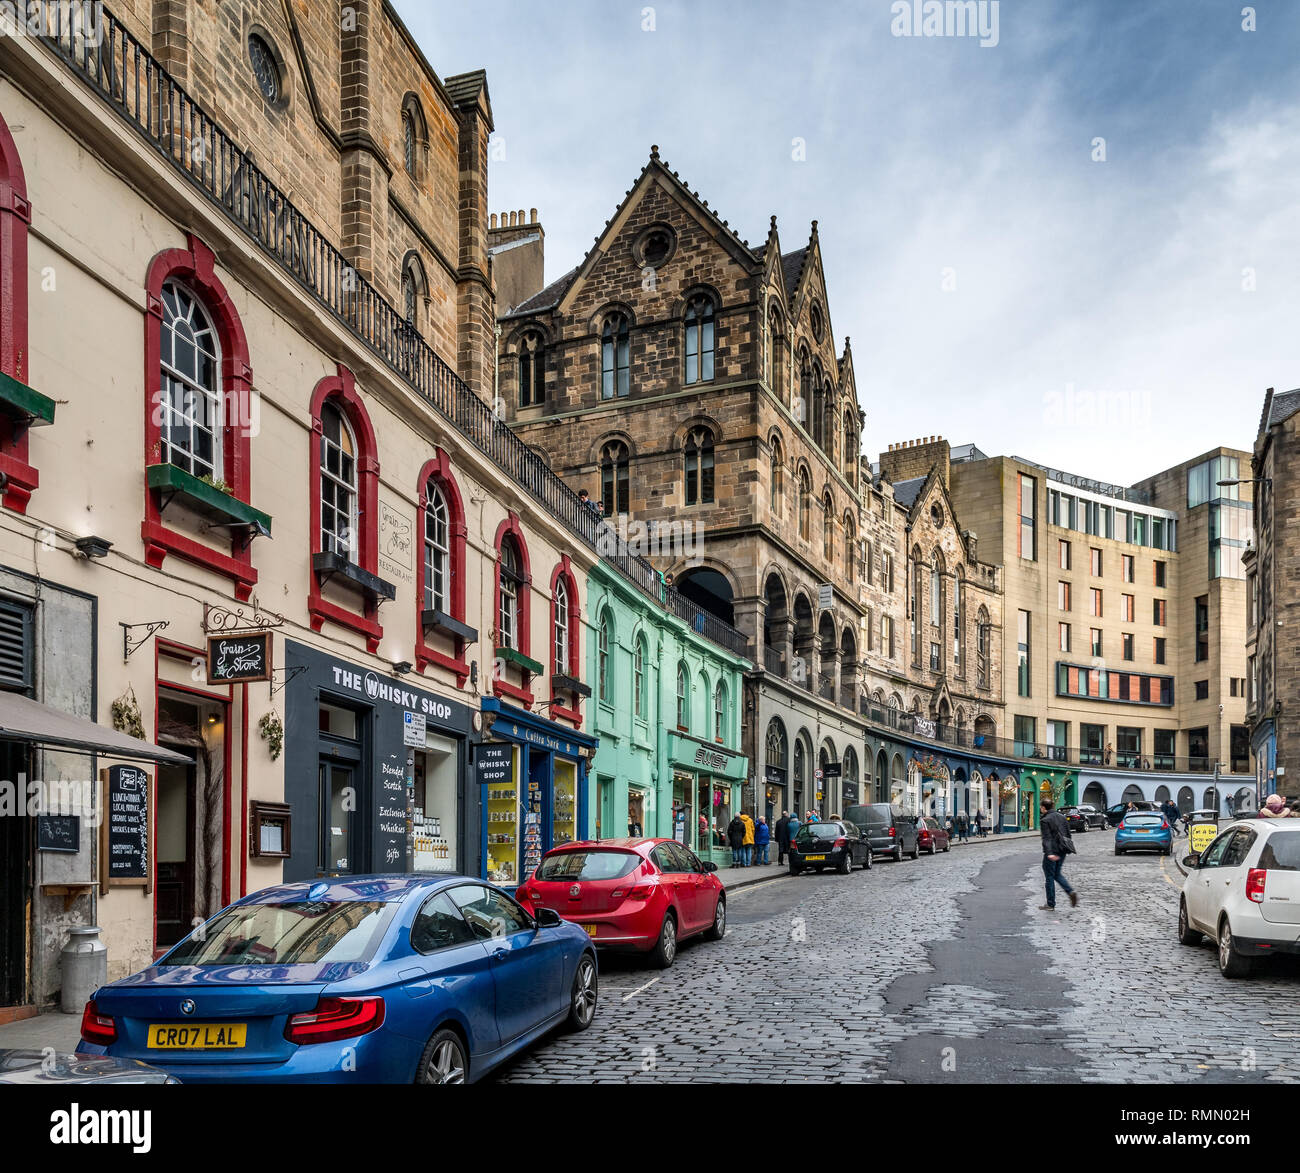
(773, 661)
(126, 75)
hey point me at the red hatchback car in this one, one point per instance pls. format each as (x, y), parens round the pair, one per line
(642, 895)
(931, 836)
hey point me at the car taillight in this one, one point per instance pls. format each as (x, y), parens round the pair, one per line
(841, 842)
(1164, 826)
(97, 1028)
(891, 832)
(1255, 879)
(525, 894)
(336, 1018)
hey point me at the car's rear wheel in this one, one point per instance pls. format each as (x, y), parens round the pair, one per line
(845, 864)
(795, 869)
(1186, 934)
(665, 950)
(947, 845)
(718, 929)
(582, 1000)
(1117, 850)
(898, 853)
(932, 847)
(1231, 963)
(444, 1059)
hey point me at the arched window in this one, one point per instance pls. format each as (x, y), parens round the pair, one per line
(409, 154)
(958, 636)
(776, 745)
(699, 340)
(510, 585)
(410, 298)
(774, 362)
(850, 450)
(803, 404)
(415, 137)
(816, 424)
(614, 478)
(720, 711)
(191, 401)
(850, 549)
(982, 648)
(604, 640)
(699, 467)
(805, 505)
(638, 678)
(936, 589)
(560, 628)
(338, 484)
(683, 698)
(827, 440)
(776, 485)
(532, 369)
(828, 528)
(615, 358)
(437, 549)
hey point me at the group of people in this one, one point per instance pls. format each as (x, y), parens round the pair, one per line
(959, 826)
(749, 840)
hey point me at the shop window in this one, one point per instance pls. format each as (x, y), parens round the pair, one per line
(198, 420)
(440, 579)
(344, 512)
(433, 805)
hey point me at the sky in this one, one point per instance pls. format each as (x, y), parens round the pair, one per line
(1079, 245)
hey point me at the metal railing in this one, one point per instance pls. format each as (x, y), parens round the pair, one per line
(773, 661)
(1088, 485)
(132, 81)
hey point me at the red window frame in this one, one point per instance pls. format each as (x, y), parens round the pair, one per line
(438, 470)
(341, 390)
(564, 570)
(15, 219)
(500, 686)
(194, 266)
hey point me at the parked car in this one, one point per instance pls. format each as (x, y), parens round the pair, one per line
(1096, 818)
(639, 895)
(1243, 892)
(831, 843)
(931, 836)
(46, 1067)
(356, 979)
(1144, 831)
(1075, 819)
(886, 828)
(1114, 814)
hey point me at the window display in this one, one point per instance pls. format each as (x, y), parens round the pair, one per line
(433, 815)
(502, 820)
(564, 823)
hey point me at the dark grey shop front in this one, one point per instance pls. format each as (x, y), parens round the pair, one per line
(375, 772)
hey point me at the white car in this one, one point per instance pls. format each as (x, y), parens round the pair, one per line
(1244, 893)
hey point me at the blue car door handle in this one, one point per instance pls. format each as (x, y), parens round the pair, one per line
(498, 955)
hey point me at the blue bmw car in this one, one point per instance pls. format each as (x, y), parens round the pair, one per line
(364, 979)
(1144, 831)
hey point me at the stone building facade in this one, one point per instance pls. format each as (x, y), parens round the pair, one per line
(692, 384)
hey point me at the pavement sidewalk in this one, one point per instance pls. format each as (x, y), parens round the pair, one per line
(52, 1029)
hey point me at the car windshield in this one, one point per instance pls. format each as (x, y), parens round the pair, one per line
(301, 933)
(1281, 852)
(1143, 820)
(587, 865)
(878, 815)
(820, 831)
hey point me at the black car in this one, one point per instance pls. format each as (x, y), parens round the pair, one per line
(886, 828)
(1095, 817)
(830, 844)
(1075, 819)
(1115, 814)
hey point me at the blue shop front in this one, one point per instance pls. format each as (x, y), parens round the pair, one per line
(541, 801)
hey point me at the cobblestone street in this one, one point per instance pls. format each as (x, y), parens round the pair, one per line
(944, 970)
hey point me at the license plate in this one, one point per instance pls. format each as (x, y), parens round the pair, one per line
(197, 1036)
(1142, 831)
(590, 930)
(812, 858)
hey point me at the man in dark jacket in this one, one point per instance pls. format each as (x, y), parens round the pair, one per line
(782, 829)
(736, 837)
(1057, 844)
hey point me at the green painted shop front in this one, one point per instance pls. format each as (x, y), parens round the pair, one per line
(665, 706)
(1039, 782)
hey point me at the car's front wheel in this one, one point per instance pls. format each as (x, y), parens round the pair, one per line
(898, 853)
(718, 929)
(444, 1059)
(1231, 963)
(582, 1000)
(916, 851)
(1186, 934)
(665, 950)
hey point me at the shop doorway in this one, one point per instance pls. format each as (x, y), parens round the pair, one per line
(15, 883)
(635, 812)
(343, 794)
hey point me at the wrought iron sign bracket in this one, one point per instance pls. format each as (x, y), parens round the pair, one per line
(283, 676)
(131, 644)
(224, 620)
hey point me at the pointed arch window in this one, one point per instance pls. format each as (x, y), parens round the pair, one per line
(614, 463)
(804, 403)
(850, 450)
(560, 603)
(982, 648)
(776, 745)
(850, 549)
(699, 340)
(683, 698)
(828, 528)
(816, 424)
(615, 358)
(776, 486)
(827, 440)
(532, 369)
(409, 154)
(805, 505)
(774, 362)
(638, 678)
(410, 299)
(699, 467)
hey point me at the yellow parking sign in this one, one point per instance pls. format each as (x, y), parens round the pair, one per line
(1201, 835)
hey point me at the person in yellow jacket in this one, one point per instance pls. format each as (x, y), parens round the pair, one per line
(747, 847)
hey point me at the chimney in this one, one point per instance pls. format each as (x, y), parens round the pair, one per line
(915, 458)
(517, 245)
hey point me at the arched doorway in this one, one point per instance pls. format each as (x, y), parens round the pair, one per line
(961, 792)
(849, 782)
(776, 625)
(882, 777)
(1132, 794)
(1186, 800)
(1162, 794)
(1094, 794)
(802, 756)
(827, 786)
(897, 780)
(1243, 802)
(1211, 800)
(709, 590)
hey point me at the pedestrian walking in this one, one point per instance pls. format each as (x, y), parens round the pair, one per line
(979, 823)
(748, 843)
(736, 837)
(762, 837)
(1057, 844)
(782, 837)
(963, 827)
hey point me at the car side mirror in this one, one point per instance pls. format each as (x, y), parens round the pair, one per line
(548, 918)
(1191, 861)
(709, 865)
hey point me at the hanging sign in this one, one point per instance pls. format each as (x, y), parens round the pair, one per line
(492, 762)
(237, 659)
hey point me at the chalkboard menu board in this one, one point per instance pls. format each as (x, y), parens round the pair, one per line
(390, 800)
(492, 763)
(236, 658)
(124, 847)
(59, 833)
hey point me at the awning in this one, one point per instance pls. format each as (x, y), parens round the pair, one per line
(23, 719)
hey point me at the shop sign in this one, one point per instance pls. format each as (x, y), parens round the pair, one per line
(60, 833)
(774, 776)
(710, 759)
(825, 596)
(925, 727)
(396, 547)
(413, 729)
(124, 845)
(237, 659)
(373, 687)
(492, 763)
(830, 770)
